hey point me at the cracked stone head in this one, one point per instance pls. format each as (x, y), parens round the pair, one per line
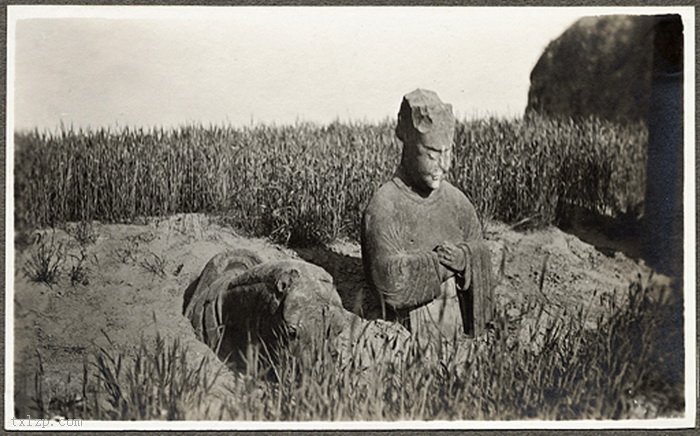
(426, 128)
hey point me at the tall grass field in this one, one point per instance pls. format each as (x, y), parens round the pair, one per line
(307, 184)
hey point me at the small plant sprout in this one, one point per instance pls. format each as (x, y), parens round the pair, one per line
(46, 260)
(79, 270)
(154, 264)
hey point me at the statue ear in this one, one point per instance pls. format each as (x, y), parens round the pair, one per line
(285, 280)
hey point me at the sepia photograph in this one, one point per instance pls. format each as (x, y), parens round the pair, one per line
(349, 218)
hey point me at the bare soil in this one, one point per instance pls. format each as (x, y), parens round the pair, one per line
(137, 274)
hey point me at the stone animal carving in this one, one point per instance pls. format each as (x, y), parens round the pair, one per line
(239, 300)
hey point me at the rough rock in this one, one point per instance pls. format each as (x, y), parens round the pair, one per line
(626, 68)
(600, 66)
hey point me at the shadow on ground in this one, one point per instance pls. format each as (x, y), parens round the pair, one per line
(348, 275)
(607, 234)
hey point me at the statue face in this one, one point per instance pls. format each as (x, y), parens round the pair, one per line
(428, 162)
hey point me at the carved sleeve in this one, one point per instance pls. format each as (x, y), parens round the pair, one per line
(473, 232)
(404, 280)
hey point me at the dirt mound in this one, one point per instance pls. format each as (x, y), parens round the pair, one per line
(135, 277)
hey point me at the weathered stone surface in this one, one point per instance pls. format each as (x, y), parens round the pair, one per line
(421, 237)
(600, 66)
(239, 300)
(423, 115)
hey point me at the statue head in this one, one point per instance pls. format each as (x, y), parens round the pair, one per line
(426, 128)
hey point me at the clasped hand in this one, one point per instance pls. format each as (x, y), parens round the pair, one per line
(451, 257)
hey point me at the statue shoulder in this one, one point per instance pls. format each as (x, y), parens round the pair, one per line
(383, 198)
(458, 197)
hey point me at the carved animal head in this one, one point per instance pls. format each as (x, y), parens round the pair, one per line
(310, 302)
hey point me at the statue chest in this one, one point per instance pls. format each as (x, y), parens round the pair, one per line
(422, 228)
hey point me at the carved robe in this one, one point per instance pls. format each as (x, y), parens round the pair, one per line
(399, 234)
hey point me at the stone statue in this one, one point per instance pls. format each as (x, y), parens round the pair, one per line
(240, 300)
(422, 245)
